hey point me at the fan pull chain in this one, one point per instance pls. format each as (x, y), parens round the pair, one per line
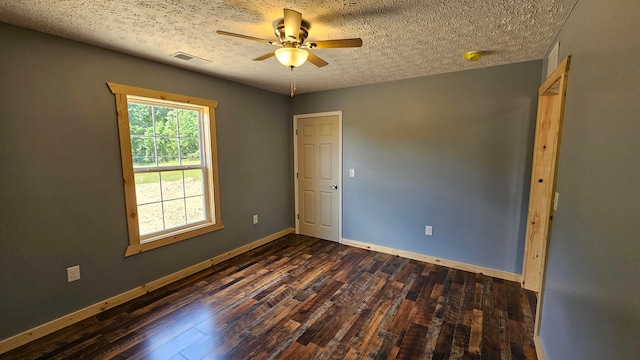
(293, 83)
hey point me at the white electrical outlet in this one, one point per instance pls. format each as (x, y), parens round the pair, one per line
(428, 230)
(352, 172)
(255, 219)
(73, 273)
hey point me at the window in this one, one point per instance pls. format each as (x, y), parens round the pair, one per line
(169, 166)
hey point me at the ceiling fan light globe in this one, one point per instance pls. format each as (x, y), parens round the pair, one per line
(291, 57)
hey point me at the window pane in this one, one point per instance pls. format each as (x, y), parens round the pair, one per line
(190, 151)
(174, 213)
(140, 121)
(166, 121)
(150, 218)
(143, 151)
(148, 188)
(195, 209)
(167, 151)
(189, 130)
(193, 183)
(172, 185)
(189, 123)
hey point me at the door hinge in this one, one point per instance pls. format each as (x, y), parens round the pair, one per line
(298, 216)
(296, 175)
(296, 131)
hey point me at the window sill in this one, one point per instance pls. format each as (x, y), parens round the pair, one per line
(170, 238)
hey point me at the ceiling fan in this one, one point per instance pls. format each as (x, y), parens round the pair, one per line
(292, 32)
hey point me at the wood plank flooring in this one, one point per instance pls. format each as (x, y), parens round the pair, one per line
(304, 298)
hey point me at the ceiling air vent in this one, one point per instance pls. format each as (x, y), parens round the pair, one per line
(183, 56)
(190, 58)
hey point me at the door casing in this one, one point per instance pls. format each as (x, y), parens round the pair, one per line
(551, 103)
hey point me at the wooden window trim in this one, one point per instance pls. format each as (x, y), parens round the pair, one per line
(136, 244)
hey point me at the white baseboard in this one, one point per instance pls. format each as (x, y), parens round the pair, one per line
(434, 260)
(62, 322)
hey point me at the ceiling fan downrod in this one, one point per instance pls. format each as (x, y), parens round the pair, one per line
(293, 82)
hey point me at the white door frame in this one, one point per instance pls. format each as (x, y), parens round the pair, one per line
(295, 165)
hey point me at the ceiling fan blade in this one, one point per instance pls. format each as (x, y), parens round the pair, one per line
(265, 56)
(340, 43)
(292, 22)
(220, 32)
(316, 60)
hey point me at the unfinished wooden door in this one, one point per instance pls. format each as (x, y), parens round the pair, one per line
(318, 176)
(551, 96)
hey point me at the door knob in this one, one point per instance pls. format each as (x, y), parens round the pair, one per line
(334, 187)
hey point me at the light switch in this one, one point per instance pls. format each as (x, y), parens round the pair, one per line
(352, 172)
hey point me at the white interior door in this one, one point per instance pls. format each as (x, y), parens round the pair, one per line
(318, 175)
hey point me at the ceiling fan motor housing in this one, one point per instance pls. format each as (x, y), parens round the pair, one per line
(292, 31)
(280, 33)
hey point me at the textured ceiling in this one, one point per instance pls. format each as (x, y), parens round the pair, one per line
(402, 38)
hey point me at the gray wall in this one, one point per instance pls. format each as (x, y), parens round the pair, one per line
(61, 193)
(591, 307)
(451, 151)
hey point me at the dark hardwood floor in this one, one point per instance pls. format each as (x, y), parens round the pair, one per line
(305, 298)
